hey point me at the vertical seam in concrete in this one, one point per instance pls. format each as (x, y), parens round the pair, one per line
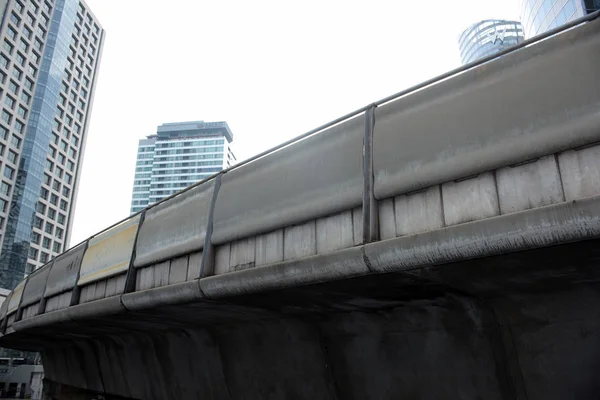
(444, 222)
(332, 382)
(495, 175)
(208, 248)
(560, 179)
(75, 291)
(131, 271)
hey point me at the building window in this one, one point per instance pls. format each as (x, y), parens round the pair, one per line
(49, 228)
(4, 62)
(56, 185)
(56, 247)
(19, 126)
(44, 193)
(3, 205)
(14, 19)
(70, 166)
(53, 199)
(13, 87)
(23, 46)
(74, 140)
(3, 132)
(46, 242)
(27, 32)
(22, 111)
(5, 188)
(44, 257)
(58, 233)
(35, 238)
(6, 117)
(8, 172)
(18, 6)
(59, 172)
(16, 73)
(9, 101)
(33, 253)
(51, 213)
(68, 178)
(32, 70)
(47, 179)
(12, 157)
(63, 205)
(15, 142)
(61, 218)
(38, 222)
(66, 191)
(41, 208)
(29, 84)
(11, 32)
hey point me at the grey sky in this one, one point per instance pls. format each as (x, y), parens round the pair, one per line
(271, 69)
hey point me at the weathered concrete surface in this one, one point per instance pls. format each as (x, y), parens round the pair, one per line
(519, 325)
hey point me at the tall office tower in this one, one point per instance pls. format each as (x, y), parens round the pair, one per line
(488, 37)
(539, 16)
(49, 58)
(179, 155)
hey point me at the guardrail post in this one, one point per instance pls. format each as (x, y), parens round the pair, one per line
(131, 270)
(76, 291)
(207, 264)
(370, 218)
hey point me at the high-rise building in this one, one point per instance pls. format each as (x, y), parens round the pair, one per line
(488, 37)
(539, 16)
(177, 156)
(49, 58)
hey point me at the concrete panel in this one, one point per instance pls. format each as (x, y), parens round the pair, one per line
(387, 219)
(580, 172)
(175, 227)
(111, 286)
(15, 298)
(194, 266)
(243, 254)
(531, 185)
(63, 275)
(470, 200)
(100, 291)
(485, 119)
(121, 280)
(109, 253)
(34, 290)
(161, 273)
(357, 226)
(222, 257)
(87, 293)
(52, 303)
(299, 241)
(64, 300)
(318, 176)
(30, 311)
(145, 278)
(334, 232)
(418, 212)
(179, 270)
(269, 248)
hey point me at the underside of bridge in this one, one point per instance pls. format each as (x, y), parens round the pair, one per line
(524, 325)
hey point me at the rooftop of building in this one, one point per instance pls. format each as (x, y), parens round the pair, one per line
(193, 128)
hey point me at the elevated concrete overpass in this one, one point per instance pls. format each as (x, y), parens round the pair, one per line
(437, 244)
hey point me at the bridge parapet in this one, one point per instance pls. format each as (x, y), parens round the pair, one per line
(511, 135)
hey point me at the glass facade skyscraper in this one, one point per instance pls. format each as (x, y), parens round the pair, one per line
(539, 16)
(49, 58)
(179, 155)
(488, 37)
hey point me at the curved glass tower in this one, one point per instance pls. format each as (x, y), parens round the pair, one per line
(488, 37)
(539, 16)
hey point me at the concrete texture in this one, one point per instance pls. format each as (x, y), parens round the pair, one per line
(473, 279)
(527, 104)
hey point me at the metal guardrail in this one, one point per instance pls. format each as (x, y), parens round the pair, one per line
(369, 204)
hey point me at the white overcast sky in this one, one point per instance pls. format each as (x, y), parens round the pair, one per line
(271, 69)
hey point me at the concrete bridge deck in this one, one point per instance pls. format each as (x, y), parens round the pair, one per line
(441, 244)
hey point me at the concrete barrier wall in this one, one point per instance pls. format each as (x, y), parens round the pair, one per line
(527, 104)
(507, 136)
(318, 176)
(176, 227)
